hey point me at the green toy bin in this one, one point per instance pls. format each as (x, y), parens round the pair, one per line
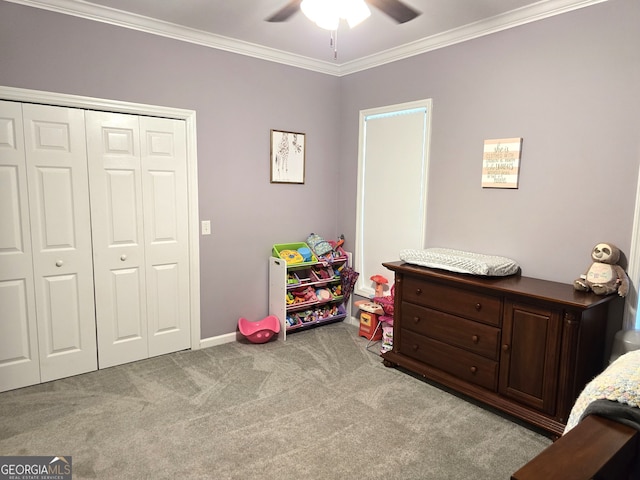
(280, 247)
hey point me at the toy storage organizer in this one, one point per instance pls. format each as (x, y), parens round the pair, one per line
(306, 294)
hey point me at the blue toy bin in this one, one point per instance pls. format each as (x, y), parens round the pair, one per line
(260, 331)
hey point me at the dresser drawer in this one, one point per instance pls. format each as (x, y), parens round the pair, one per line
(459, 332)
(465, 303)
(460, 363)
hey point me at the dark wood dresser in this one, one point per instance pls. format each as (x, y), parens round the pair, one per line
(522, 345)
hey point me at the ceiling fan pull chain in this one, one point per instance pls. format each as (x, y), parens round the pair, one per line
(334, 43)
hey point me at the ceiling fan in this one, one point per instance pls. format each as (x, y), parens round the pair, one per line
(396, 9)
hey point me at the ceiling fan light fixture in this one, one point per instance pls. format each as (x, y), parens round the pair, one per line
(322, 12)
(327, 13)
(355, 12)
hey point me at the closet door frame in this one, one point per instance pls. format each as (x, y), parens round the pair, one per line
(189, 116)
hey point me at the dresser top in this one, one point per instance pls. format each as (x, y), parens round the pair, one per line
(513, 285)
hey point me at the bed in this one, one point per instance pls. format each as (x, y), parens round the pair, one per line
(602, 437)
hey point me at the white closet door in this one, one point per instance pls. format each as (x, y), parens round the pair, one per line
(137, 172)
(164, 176)
(19, 361)
(118, 239)
(61, 239)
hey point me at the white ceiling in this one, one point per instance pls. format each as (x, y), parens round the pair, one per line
(240, 26)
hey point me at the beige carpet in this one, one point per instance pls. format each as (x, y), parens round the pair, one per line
(318, 406)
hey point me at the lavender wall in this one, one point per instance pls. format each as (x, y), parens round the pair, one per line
(238, 100)
(569, 86)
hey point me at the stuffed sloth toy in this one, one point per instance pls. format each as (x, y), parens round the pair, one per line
(604, 276)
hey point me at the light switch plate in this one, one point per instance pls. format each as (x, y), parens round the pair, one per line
(206, 227)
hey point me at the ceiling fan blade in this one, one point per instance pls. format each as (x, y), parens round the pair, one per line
(399, 11)
(285, 12)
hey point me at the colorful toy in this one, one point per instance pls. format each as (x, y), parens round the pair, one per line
(319, 245)
(376, 320)
(326, 251)
(387, 337)
(291, 256)
(369, 326)
(323, 273)
(604, 276)
(380, 282)
(387, 302)
(293, 320)
(303, 295)
(307, 316)
(306, 253)
(323, 294)
(327, 311)
(261, 331)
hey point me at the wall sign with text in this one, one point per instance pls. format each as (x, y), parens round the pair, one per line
(501, 163)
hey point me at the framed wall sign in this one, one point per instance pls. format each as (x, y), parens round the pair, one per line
(287, 157)
(501, 163)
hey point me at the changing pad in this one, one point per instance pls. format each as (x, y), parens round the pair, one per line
(460, 261)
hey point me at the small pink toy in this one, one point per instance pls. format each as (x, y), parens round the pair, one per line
(380, 282)
(261, 331)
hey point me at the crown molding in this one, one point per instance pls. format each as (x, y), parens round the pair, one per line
(133, 21)
(514, 18)
(531, 13)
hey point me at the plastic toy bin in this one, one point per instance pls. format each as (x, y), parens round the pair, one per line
(279, 247)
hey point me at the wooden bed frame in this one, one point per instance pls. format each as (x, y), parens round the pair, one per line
(597, 448)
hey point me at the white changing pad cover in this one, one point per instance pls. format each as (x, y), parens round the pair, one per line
(460, 261)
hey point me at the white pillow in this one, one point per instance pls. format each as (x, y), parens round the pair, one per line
(461, 262)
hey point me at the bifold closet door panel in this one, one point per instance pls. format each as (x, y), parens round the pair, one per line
(164, 177)
(137, 173)
(56, 159)
(19, 359)
(113, 143)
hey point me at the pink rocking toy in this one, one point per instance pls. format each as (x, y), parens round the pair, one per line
(261, 331)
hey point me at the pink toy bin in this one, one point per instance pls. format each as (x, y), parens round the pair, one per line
(261, 331)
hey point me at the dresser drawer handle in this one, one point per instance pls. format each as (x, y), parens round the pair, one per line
(475, 339)
(474, 369)
(505, 347)
(418, 291)
(478, 306)
(415, 347)
(416, 319)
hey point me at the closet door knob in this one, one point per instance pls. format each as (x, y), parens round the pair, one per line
(59, 263)
(123, 257)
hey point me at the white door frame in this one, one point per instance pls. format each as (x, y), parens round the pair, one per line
(372, 253)
(633, 270)
(189, 116)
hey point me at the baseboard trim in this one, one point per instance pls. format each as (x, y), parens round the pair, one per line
(352, 321)
(219, 340)
(232, 337)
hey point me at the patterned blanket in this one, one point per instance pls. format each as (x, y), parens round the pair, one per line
(619, 384)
